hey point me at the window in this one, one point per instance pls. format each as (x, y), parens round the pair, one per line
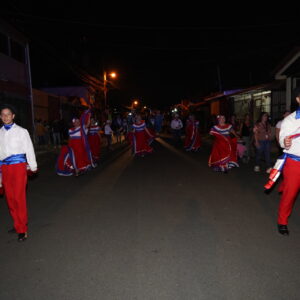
(17, 51)
(242, 105)
(262, 103)
(278, 105)
(3, 44)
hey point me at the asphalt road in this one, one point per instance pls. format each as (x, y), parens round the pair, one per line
(160, 227)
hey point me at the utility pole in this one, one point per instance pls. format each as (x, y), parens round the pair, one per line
(105, 88)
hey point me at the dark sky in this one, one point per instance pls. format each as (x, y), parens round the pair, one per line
(161, 56)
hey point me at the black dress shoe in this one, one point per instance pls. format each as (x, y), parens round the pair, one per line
(283, 229)
(12, 230)
(22, 237)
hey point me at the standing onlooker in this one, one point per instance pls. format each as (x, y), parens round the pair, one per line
(117, 126)
(46, 133)
(176, 128)
(40, 132)
(125, 127)
(262, 140)
(158, 121)
(108, 132)
(64, 130)
(130, 121)
(56, 133)
(235, 124)
(166, 123)
(151, 121)
(245, 133)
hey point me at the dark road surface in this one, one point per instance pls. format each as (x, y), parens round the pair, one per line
(160, 227)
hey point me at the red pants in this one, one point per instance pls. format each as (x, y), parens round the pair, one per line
(290, 188)
(14, 180)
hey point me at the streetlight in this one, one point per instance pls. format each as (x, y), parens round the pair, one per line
(135, 103)
(111, 75)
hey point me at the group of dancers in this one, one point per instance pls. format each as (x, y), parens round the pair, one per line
(17, 158)
(142, 136)
(83, 149)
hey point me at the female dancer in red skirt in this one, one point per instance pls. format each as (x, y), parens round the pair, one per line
(94, 139)
(76, 157)
(141, 137)
(192, 140)
(224, 151)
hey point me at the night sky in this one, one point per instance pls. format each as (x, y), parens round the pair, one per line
(161, 56)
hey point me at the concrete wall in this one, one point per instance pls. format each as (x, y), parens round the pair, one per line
(12, 70)
(47, 107)
(40, 105)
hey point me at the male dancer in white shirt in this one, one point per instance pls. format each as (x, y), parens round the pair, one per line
(289, 140)
(16, 151)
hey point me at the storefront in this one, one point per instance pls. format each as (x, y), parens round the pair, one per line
(252, 103)
(268, 98)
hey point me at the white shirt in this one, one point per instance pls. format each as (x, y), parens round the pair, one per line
(107, 129)
(176, 124)
(290, 126)
(16, 140)
(278, 125)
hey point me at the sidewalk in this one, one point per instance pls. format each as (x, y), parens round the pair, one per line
(207, 141)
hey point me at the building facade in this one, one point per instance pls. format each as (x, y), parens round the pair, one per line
(15, 74)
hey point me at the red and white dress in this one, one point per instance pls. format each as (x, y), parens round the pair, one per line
(76, 157)
(192, 140)
(141, 139)
(73, 158)
(94, 139)
(224, 151)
